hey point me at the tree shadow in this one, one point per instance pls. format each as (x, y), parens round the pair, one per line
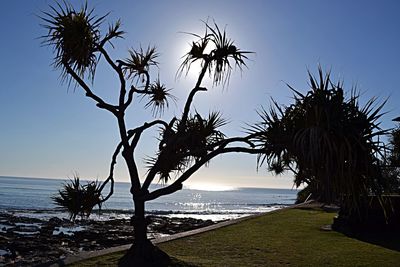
(389, 240)
(179, 263)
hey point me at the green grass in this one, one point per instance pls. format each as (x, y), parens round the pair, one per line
(290, 237)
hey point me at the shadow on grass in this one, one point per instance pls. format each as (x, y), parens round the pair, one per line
(386, 239)
(178, 263)
(383, 239)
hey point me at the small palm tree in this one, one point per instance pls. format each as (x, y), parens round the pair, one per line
(78, 199)
(328, 140)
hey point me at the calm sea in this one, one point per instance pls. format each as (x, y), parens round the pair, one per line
(32, 197)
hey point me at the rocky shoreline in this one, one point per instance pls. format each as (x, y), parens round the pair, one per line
(28, 241)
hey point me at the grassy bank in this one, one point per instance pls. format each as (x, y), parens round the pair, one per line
(290, 237)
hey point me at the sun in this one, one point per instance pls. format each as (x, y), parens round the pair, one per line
(194, 71)
(195, 67)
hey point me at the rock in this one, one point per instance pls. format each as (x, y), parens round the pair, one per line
(36, 249)
(55, 221)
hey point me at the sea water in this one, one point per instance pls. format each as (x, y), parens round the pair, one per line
(32, 197)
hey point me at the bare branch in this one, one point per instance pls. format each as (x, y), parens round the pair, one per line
(135, 90)
(120, 75)
(100, 102)
(177, 184)
(196, 89)
(111, 175)
(138, 131)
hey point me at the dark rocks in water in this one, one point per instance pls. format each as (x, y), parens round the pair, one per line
(29, 241)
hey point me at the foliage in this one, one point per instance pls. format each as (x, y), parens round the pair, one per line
(78, 199)
(182, 145)
(159, 98)
(75, 38)
(394, 143)
(217, 61)
(139, 62)
(304, 193)
(391, 170)
(328, 140)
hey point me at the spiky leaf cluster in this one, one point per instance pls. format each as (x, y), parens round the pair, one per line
(328, 140)
(78, 199)
(159, 97)
(181, 146)
(75, 38)
(139, 62)
(222, 56)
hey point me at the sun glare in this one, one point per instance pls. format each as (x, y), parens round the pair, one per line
(194, 71)
(210, 187)
(195, 67)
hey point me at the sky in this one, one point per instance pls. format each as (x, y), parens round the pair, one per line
(50, 130)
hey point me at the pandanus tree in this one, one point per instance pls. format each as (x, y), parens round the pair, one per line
(77, 198)
(391, 170)
(187, 142)
(328, 140)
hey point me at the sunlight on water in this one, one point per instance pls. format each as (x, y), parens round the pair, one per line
(32, 197)
(210, 187)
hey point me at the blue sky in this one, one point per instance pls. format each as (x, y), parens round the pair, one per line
(48, 130)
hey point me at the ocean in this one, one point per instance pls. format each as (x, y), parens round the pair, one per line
(31, 197)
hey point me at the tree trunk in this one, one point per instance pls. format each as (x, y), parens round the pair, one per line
(142, 252)
(139, 223)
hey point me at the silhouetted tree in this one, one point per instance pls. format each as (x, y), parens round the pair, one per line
(186, 142)
(391, 170)
(77, 198)
(329, 141)
(394, 145)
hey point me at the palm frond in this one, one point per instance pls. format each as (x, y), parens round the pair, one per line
(78, 199)
(159, 98)
(139, 61)
(221, 58)
(74, 36)
(182, 146)
(197, 52)
(224, 51)
(114, 31)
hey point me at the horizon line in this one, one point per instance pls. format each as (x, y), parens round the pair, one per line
(232, 188)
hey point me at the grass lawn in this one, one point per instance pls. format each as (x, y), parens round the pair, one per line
(291, 237)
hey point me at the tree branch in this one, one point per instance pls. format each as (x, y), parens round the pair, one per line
(222, 144)
(138, 131)
(135, 90)
(196, 89)
(177, 184)
(111, 175)
(100, 102)
(120, 75)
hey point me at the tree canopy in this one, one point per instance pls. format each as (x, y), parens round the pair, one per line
(328, 140)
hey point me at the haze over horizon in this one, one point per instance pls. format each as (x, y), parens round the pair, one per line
(50, 131)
